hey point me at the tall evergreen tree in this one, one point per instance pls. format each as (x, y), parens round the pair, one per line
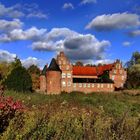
(19, 80)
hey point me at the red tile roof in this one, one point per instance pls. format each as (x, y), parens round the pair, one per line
(91, 71)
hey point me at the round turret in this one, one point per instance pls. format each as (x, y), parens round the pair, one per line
(53, 78)
(43, 86)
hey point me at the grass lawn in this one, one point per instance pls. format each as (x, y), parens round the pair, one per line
(73, 116)
(113, 103)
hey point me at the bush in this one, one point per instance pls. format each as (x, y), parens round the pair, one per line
(8, 108)
(19, 80)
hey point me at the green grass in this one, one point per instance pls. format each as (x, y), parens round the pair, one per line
(75, 116)
(114, 104)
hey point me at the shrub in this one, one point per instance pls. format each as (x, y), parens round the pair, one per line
(19, 80)
(8, 108)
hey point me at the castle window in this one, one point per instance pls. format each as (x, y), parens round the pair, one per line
(69, 83)
(108, 85)
(63, 75)
(63, 84)
(88, 85)
(59, 62)
(111, 86)
(69, 75)
(93, 85)
(84, 85)
(113, 77)
(80, 85)
(98, 85)
(64, 62)
(74, 85)
(67, 68)
(102, 85)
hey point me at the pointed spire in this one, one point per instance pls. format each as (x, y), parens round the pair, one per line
(53, 66)
(44, 70)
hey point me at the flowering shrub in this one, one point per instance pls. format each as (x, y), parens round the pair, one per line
(8, 108)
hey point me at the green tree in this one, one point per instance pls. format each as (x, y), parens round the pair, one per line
(79, 63)
(16, 63)
(19, 80)
(133, 71)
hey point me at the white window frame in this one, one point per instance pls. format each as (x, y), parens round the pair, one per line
(108, 85)
(67, 67)
(69, 83)
(63, 75)
(113, 77)
(80, 85)
(68, 75)
(88, 85)
(74, 85)
(102, 85)
(85, 85)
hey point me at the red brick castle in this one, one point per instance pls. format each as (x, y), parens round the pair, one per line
(61, 75)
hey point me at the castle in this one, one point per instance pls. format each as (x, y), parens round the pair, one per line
(61, 75)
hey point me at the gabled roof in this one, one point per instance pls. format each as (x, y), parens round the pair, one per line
(91, 71)
(53, 66)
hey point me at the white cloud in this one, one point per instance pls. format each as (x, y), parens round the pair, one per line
(76, 46)
(68, 6)
(6, 25)
(18, 34)
(10, 11)
(18, 11)
(30, 61)
(6, 56)
(134, 33)
(87, 2)
(114, 21)
(103, 61)
(126, 43)
(37, 15)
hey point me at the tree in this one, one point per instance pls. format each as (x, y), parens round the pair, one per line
(133, 71)
(19, 80)
(4, 70)
(78, 63)
(34, 72)
(16, 63)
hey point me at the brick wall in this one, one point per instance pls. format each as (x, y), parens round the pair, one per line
(43, 83)
(93, 87)
(53, 82)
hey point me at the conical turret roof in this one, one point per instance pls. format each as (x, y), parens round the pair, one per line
(44, 70)
(53, 66)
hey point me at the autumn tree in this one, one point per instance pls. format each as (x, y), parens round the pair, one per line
(34, 72)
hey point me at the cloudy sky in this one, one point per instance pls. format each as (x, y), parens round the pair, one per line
(92, 31)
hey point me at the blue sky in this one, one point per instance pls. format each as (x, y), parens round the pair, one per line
(91, 31)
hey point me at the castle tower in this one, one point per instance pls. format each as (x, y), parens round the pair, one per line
(66, 67)
(43, 86)
(53, 78)
(118, 74)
